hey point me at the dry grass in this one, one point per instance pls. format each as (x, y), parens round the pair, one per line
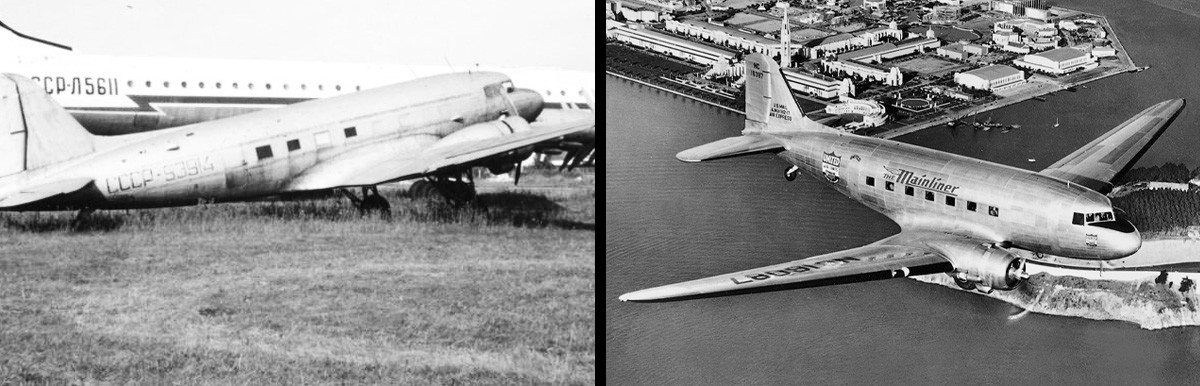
(305, 292)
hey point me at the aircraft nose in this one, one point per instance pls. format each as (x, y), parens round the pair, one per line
(1125, 243)
(529, 103)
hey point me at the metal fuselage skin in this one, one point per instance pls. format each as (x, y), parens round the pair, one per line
(223, 160)
(1031, 211)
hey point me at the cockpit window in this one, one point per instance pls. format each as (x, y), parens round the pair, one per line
(508, 87)
(491, 90)
(1092, 218)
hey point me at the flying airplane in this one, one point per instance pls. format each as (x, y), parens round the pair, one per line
(968, 218)
(434, 128)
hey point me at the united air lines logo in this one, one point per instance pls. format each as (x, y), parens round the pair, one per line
(905, 176)
(830, 165)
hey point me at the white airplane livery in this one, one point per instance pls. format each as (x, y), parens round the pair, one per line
(974, 220)
(111, 95)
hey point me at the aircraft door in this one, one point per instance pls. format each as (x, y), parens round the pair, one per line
(12, 130)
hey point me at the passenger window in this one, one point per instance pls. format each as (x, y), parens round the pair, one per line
(184, 85)
(870, 181)
(321, 138)
(303, 86)
(264, 152)
(1077, 219)
(970, 206)
(908, 190)
(147, 83)
(359, 88)
(889, 185)
(130, 83)
(218, 84)
(268, 86)
(929, 196)
(235, 85)
(166, 84)
(250, 86)
(994, 211)
(293, 145)
(350, 132)
(339, 87)
(201, 84)
(285, 86)
(950, 200)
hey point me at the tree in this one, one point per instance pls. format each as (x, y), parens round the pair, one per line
(1162, 278)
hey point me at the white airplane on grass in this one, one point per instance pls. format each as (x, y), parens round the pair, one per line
(965, 217)
(433, 129)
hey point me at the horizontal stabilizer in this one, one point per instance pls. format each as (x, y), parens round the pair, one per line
(41, 192)
(730, 147)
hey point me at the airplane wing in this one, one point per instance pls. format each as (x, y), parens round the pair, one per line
(896, 256)
(32, 194)
(376, 167)
(1099, 162)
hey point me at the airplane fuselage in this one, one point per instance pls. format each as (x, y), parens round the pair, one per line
(118, 95)
(922, 188)
(271, 152)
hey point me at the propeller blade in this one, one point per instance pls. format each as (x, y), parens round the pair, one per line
(517, 178)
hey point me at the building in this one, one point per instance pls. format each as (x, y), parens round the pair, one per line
(975, 49)
(990, 78)
(821, 47)
(877, 6)
(890, 77)
(1005, 37)
(637, 13)
(953, 51)
(817, 85)
(725, 35)
(887, 51)
(671, 45)
(1104, 52)
(1058, 61)
(873, 113)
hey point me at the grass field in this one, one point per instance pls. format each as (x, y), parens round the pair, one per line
(306, 292)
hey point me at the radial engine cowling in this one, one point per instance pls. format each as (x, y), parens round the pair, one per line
(990, 267)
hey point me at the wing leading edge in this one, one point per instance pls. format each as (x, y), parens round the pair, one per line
(1096, 164)
(896, 256)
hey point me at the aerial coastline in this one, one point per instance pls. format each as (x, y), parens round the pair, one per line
(874, 68)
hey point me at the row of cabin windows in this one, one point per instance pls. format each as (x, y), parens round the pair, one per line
(250, 86)
(321, 139)
(929, 196)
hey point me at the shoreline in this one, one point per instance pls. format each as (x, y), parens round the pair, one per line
(1149, 306)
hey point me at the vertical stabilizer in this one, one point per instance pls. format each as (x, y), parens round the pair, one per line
(37, 130)
(770, 106)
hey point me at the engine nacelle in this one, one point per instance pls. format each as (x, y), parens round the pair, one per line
(988, 266)
(485, 130)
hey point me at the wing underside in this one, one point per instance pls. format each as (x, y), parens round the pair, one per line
(418, 157)
(896, 256)
(1096, 164)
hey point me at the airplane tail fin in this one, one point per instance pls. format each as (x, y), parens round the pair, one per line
(35, 131)
(770, 109)
(770, 106)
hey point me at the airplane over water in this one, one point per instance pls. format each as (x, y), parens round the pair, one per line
(436, 127)
(111, 95)
(968, 218)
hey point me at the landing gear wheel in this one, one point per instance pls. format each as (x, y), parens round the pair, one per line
(423, 189)
(964, 284)
(790, 173)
